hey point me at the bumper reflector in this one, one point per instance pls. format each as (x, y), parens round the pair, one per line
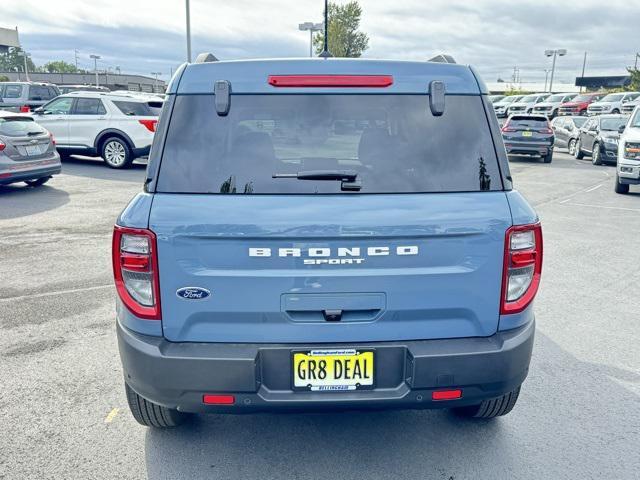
(218, 399)
(446, 395)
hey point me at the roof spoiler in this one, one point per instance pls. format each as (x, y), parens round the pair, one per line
(206, 57)
(442, 58)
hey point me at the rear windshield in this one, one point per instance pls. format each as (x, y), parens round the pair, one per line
(579, 121)
(19, 127)
(613, 124)
(135, 109)
(392, 142)
(531, 122)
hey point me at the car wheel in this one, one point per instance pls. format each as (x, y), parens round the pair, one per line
(615, 111)
(491, 408)
(578, 151)
(150, 414)
(596, 157)
(621, 187)
(572, 146)
(116, 153)
(37, 182)
(548, 157)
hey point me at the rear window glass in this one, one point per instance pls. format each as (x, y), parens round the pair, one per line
(392, 142)
(89, 106)
(612, 123)
(134, 109)
(528, 122)
(39, 92)
(19, 127)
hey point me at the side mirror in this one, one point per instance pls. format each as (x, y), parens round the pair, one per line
(621, 128)
(39, 111)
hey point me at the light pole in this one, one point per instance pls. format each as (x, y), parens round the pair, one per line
(554, 53)
(546, 78)
(25, 55)
(95, 66)
(188, 31)
(155, 87)
(312, 28)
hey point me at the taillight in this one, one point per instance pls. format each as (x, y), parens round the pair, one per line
(507, 128)
(522, 267)
(135, 270)
(25, 109)
(52, 138)
(150, 124)
(2, 145)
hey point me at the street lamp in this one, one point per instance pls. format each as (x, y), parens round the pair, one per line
(546, 78)
(95, 66)
(25, 56)
(312, 28)
(554, 53)
(188, 31)
(155, 87)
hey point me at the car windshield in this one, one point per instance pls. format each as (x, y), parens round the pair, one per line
(612, 124)
(529, 99)
(579, 121)
(555, 98)
(582, 98)
(392, 142)
(635, 122)
(510, 99)
(614, 97)
(19, 127)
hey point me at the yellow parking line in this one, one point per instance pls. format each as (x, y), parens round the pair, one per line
(112, 414)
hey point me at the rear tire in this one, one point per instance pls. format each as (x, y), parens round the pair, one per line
(621, 187)
(578, 152)
(37, 182)
(596, 157)
(572, 146)
(548, 157)
(116, 153)
(149, 414)
(615, 111)
(491, 408)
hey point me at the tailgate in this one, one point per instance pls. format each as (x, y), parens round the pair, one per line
(330, 268)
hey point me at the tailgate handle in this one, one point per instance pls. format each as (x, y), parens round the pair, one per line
(332, 315)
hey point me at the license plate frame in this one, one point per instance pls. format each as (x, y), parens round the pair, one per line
(334, 385)
(527, 134)
(33, 150)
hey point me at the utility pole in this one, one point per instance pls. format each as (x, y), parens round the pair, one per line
(26, 69)
(188, 31)
(95, 66)
(155, 85)
(75, 52)
(584, 67)
(635, 66)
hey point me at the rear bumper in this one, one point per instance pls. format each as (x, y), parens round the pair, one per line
(177, 375)
(20, 176)
(528, 148)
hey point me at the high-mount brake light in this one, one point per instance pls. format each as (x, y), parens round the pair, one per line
(150, 124)
(522, 267)
(135, 271)
(334, 81)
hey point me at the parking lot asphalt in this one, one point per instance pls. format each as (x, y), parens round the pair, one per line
(63, 412)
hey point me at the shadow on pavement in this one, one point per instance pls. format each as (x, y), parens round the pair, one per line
(94, 167)
(555, 431)
(18, 200)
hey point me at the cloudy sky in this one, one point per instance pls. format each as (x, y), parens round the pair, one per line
(142, 36)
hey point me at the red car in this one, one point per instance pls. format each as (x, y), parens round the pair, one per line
(579, 104)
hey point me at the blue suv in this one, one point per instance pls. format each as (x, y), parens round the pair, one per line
(325, 234)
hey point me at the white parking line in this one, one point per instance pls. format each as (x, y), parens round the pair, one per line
(58, 292)
(594, 188)
(603, 206)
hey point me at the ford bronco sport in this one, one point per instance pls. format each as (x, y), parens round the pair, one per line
(325, 234)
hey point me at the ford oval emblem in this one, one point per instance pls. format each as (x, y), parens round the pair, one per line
(193, 293)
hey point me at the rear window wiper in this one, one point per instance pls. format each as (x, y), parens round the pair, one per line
(347, 177)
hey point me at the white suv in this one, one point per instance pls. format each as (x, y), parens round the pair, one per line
(119, 128)
(612, 103)
(628, 168)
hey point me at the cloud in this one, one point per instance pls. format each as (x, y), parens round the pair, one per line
(493, 35)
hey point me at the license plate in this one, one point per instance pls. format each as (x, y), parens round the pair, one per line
(527, 134)
(333, 370)
(33, 149)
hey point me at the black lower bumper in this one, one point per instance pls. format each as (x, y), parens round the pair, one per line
(526, 148)
(177, 375)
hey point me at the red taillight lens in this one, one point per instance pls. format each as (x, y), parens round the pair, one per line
(508, 129)
(53, 139)
(446, 394)
(25, 109)
(135, 270)
(522, 267)
(336, 81)
(2, 145)
(150, 124)
(210, 399)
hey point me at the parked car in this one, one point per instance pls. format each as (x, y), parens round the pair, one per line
(566, 131)
(27, 151)
(612, 103)
(81, 88)
(629, 107)
(529, 135)
(550, 106)
(119, 128)
(496, 98)
(527, 103)
(579, 104)
(628, 167)
(598, 137)
(501, 106)
(25, 96)
(276, 262)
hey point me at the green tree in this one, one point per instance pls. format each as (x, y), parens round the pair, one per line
(4, 78)
(59, 66)
(635, 79)
(345, 40)
(13, 61)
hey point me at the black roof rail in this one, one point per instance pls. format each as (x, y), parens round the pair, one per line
(206, 57)
(443, 58)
